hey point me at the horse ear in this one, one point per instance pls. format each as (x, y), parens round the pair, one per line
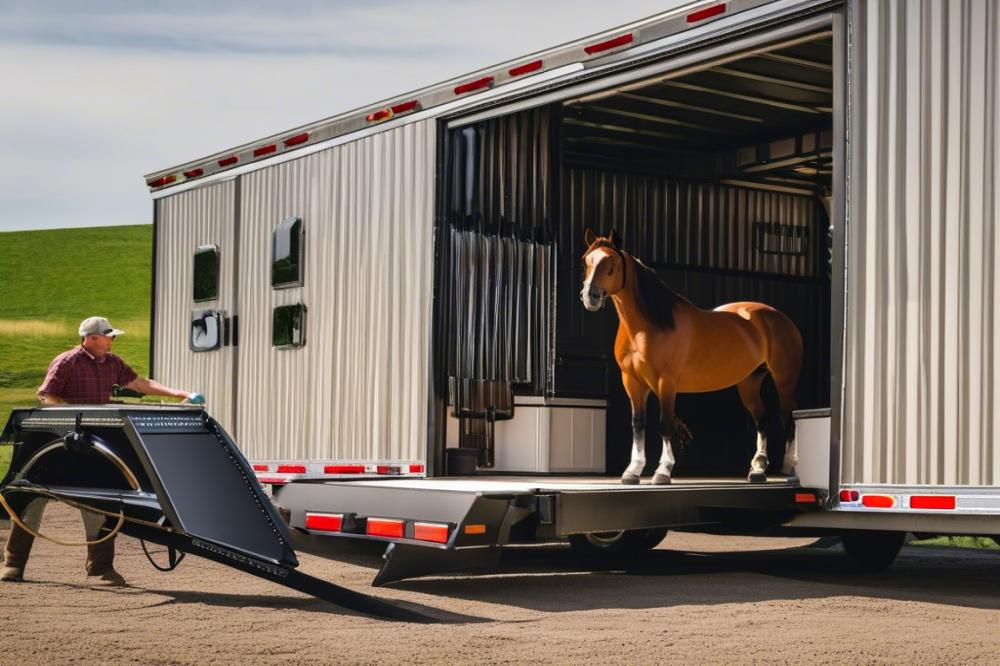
(589, 236)
(616, 240)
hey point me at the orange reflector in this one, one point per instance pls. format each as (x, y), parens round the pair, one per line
(932, 502)
(386, 527)
(804, 498)
(430, 532)
(327, 522)
(878, 501)
(291, 469)
(476, 528)
(849, 495)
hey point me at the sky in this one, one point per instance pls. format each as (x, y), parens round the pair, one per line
(96, 94)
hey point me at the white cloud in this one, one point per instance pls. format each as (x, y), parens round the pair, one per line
(95, 99)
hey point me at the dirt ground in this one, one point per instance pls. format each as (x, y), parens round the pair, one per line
(695, 599)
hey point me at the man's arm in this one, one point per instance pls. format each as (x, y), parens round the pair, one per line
(150, 387)
(49, 399)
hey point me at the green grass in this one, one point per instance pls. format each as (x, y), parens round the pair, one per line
(5, 453)
(959, 542)
(52, 280)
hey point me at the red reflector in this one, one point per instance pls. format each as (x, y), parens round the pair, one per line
(707, 12)
(525, 68)
(932, 502)
(484, 82)
(278, 481)
(878, 501)
(328, 522)
(194, 173)
(416, 469)
(261, 468)
(430, 532)
(383, 469)
(297, 139)
(804, 498)
(610, 44)
(849, 495)
(291, 469)
(160, 182)
(229, 161)
(344, 469)
(406, 106)
(381, 114)
(265, 150)
(385, 527)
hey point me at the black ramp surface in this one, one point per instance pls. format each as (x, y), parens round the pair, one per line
(209, 494)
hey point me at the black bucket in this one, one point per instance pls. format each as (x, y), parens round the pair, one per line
(461, 462)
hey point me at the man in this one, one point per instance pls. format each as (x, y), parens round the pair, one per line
(84, 376)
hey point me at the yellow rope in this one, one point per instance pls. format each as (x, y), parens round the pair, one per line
(111, 535)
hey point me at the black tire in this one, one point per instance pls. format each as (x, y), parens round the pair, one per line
(622, 542)
(872, 551)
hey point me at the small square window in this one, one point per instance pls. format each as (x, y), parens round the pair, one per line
(288, 326)
(206, 273)
(286, 254)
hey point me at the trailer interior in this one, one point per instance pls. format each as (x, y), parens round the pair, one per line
(719, 176)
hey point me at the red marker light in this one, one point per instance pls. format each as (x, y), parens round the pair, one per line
(194, 173)
(297, 139)
(265, 150)
(416, 469)
(478, 84)
(405, 106)
(160, 182)
(609, 44)
(261, 468)
(229, 161)
(435, 532)
(386, 527)
(878, 501)
(849, 495)
(525, 68)
(708, 12)
(327, 522)
(932, 502)
(291, 469)
(381, 114)
(804, 498)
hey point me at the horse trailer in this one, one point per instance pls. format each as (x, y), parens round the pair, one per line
(383, 307)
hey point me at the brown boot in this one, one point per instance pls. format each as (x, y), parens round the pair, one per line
(15, 554)
(101, 562)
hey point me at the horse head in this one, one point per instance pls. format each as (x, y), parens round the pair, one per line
(603, 269)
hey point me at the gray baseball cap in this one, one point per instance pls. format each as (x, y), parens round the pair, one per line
(97, 326)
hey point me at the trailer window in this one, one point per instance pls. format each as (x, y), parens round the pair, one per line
(288, 326)
(206, 273)
(286, 254)
(206, 330)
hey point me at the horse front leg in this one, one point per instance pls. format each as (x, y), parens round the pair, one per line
(668, 431)
(637, 392)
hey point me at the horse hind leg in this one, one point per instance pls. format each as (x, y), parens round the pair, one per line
(749, 390)
(785, 363)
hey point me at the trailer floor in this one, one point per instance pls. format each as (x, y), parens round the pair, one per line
(504, 483)
(695, 599)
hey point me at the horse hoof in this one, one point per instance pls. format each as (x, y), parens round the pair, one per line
(661, 479)
(757, 477)
(630, 479)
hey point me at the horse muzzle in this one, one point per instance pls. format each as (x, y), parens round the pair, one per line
(592, 302)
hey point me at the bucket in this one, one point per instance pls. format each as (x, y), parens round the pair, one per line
(461, 462)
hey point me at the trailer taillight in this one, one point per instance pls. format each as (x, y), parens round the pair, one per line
(261, 468)
(265, 150)
(160, 182)
(932, 502)
(707, 12)
(344, 469)
(621, 40)
(804, 498)
(297, 139)
(405, 107)
(326, 522)
(527, 67)
(291, 469)
(878, 501)
(478, 84)
(229, 161)
(435, 532)
(416, 469)
(380, 115)
(849, 495)
(194, 173)
(387, 527)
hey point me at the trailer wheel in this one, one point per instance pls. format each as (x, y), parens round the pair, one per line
(621, 542)
(872, 551)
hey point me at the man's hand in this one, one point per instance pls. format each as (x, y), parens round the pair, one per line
(194, 399)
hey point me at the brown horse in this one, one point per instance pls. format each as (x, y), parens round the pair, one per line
(667, 345)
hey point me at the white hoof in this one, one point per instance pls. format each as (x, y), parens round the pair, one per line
(660, 479)
(630, 479)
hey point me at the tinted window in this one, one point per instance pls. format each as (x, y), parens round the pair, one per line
(286, 254)
(206, 273)
(288, 326)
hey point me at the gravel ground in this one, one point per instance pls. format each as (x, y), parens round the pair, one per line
(695, 599)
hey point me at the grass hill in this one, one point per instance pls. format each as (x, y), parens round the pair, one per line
(49, 282)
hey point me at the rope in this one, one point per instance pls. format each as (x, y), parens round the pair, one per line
(20, 523)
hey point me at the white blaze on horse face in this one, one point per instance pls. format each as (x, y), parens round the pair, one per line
(592, 295)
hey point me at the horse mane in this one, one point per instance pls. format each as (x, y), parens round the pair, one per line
(656, 299)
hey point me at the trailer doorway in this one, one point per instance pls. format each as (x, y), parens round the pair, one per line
(719, 177)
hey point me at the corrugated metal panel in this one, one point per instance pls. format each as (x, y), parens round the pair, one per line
(185, 221)
(922, 370)
(358, 388)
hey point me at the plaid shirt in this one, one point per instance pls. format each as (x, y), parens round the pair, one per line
(80, 379)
